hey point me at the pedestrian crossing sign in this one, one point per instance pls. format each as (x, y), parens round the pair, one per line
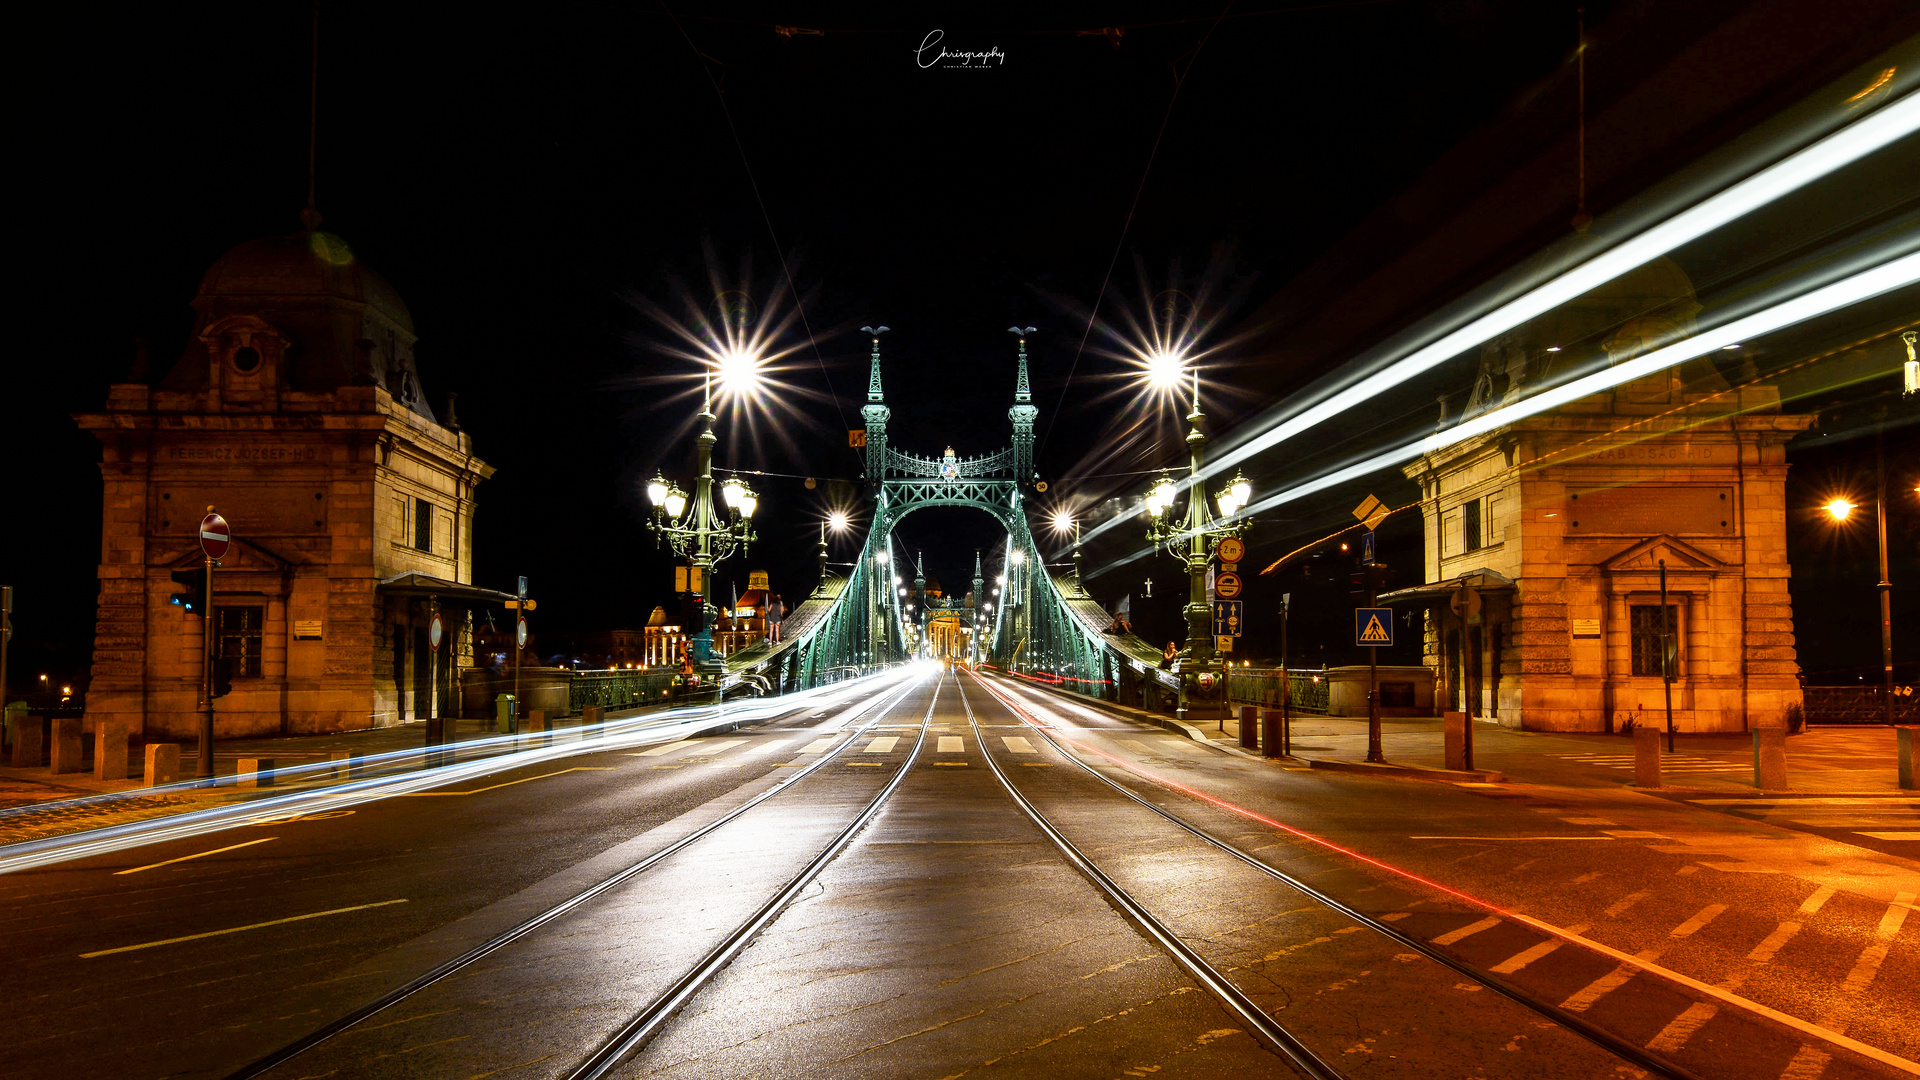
(1373, 626)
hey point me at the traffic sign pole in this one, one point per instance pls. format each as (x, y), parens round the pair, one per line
(215, 538)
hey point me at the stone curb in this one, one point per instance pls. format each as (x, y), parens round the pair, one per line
(1410, 772)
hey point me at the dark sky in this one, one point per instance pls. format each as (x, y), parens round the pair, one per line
(533, 177)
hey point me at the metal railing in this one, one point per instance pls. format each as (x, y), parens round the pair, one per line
(1857, 705)
(618, 689)
(1307, 688)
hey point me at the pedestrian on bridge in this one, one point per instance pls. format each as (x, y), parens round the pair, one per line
(775, 612)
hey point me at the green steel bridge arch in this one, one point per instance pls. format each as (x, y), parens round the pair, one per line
(1047, 626)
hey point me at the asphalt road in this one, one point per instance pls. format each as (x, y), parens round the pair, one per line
(951, 937)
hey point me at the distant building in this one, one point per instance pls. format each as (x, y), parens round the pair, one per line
(297, 411)
(1544, 537)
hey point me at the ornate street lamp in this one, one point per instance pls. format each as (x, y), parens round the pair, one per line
(1192, 539)
(699, 531)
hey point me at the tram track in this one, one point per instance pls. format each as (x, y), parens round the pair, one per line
(1223, 988)
(633, 1033)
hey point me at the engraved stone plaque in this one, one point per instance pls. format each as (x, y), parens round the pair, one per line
(1650, 509)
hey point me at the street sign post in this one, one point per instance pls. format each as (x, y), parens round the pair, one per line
(216, 538)
(1229, 618)
(1373, 627)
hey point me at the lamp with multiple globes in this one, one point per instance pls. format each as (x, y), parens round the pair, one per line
(1192, 538)
(699, 531)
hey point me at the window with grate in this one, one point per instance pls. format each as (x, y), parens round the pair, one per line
(240, 632)
(422, 525)
(1470, 526)
(1644, 626)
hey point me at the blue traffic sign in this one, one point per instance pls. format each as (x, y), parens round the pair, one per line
(1372, 626)
(1366, 548)
(1229, 618)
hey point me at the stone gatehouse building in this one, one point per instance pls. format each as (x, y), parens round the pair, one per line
(297, 411)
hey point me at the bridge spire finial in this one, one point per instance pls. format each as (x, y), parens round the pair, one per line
(873, 379)
(1022, 392)
(1022, 413)
(875, 413)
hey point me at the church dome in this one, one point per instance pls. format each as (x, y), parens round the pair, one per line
(305, 264)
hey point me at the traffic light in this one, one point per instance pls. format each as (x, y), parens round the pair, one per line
(1367, 581)
(195, 598)
(222, 677)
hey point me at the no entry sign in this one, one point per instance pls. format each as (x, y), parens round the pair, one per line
(434, 631)
(520, 633)
(215, 537)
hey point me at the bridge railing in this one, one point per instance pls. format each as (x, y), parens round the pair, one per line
(1307, 688)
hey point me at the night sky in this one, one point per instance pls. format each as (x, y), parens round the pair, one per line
(540, 180)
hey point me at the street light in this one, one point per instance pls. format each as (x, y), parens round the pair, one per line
(1192, 541)
(700, 532)
(1840, 509)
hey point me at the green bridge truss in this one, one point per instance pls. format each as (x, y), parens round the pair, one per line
(1044, 626)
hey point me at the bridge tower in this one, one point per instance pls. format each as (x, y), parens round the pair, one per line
(875, 413)
(1023, 413)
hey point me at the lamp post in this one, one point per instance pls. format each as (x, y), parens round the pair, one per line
(1192, 541)
(1840, 510)
(699, 531)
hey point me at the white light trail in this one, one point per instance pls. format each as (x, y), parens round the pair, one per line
(1884, 278)
(1891, 122)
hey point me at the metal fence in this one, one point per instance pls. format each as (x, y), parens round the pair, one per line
(1307, 688)
(618, 689)
(1858, 705)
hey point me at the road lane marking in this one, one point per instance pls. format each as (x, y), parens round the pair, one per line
(881, 745)
(1620, 906)
(1764, 951)
(234, 929)
(1018, 744)
(1904, 835)
(954, 764)
(1634, 834)
(184, 858)
(665, 748)
(764, 748)
(1819, 898)
(1681, 1028)
(1583, 999)
(1135, 745)
(1527, 956)
(1466, 931)
(1584, 878)
(709, 748)
(818, 746)
(1509, 837)
(510, 783)
(1700, 918)
(951, 744)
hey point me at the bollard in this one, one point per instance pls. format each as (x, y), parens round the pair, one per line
(1646, 757)
(1770, 759)
(110, 750)
(347, 765)
(1456, 731)
(255, 772)
(591, 722)
(1249, 727)
(1270, 732)
(29, 742)
(163, 763)
(1904, 740)
(538, 730)
(66, 746)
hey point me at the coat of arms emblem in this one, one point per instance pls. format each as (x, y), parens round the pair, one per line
(949, 466)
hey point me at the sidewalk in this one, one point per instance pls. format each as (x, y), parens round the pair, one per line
(69, 809)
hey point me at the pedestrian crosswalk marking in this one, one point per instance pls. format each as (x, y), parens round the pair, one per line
(882, 745)
(818, 746)
(952, 744)
(1018, 744)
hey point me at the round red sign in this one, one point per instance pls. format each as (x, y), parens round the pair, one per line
(520, 633)
(434, 631)
(215, 537)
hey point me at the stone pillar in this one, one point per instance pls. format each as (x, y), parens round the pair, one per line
(1907, 745)
(1770, 759)
(110, 751)
(347, 765)
(1249, 727)
(29, 742)
(163, 763)
(66, 746)
(591, 723)
(1458, 730)
(254, 772)
(537, 728)
(1646, 756)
